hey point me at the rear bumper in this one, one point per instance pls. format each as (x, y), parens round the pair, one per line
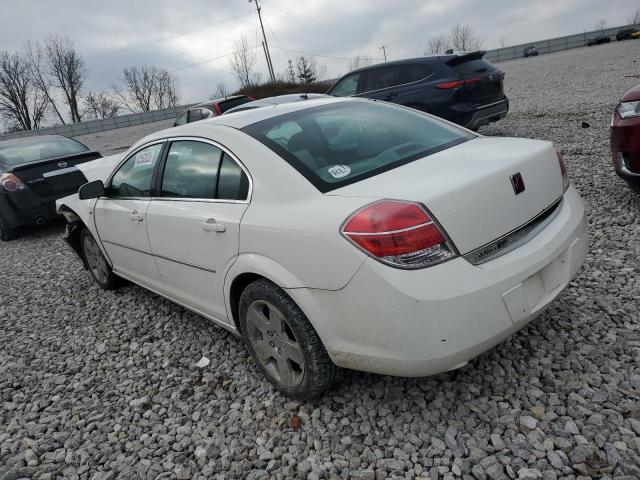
(625, 149)
(23, 208)
(487, 113)
(423, 322)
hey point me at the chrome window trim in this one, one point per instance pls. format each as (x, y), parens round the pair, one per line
(225, 150)
(175, 199)
(473, 256)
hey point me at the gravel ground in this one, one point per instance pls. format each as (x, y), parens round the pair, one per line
(102, 385)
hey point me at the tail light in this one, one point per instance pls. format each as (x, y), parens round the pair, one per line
(401, 234)
(563, 170)
(217, 108)
(10, 183)
(458, 83)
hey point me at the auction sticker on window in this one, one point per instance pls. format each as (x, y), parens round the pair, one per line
(144, 158)
(339, 171)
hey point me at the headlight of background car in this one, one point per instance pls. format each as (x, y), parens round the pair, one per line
(629, 109)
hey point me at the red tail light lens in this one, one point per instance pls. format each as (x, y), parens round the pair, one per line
(563, 170)
(10, 183)
(399, 233)
(218, 109)
(458, 83)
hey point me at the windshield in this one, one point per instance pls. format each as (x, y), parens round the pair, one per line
(342, 143)
(45, 149)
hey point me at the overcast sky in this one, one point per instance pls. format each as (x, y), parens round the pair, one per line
(190, 37)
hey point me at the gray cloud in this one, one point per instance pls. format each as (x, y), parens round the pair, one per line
(115, 34)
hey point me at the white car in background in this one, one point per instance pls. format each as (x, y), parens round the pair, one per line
(338, 233)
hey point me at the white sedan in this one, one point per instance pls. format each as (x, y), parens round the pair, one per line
(337, 233)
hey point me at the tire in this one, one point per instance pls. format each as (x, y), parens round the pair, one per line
(7, 233)
(96, 263)
(283, 342)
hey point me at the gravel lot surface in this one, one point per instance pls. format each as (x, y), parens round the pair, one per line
(102, 385)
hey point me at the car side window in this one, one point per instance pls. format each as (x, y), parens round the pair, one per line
(182, 119)
(347, 86)
(194, 115)
(233, 183)
(379, 78)
(191, 170)
(412, 72)
(134, 177)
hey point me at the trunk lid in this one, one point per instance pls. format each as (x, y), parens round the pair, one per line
(55, 177)
(468, 187)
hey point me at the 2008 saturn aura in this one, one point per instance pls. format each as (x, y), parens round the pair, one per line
(337, 233)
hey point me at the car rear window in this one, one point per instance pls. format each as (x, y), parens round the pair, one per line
(473, 66)
(234, 102)
(342, 143)
(45, 149)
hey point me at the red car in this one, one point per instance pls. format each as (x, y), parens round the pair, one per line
(625, 138)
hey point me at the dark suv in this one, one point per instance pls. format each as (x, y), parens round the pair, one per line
(463, 88)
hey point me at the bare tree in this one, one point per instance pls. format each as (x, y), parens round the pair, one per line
(220, 92)
(306, 69)
(464, 39)
(601, 24)
(635, 18)
(243, 61)
(21, 102)
(359, 62)
(437, 45)
(68, 71)
(38, 66)
(100, 105)
(291, 74)
(502, 41)
(143, 88)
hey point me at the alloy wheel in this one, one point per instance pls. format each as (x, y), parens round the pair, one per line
(95, 260)
(274, 343)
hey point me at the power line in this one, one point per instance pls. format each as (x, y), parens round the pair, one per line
(318, 55)
(164, 39)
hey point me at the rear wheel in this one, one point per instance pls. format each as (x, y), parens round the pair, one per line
(98, 266)
(283, 342)
(7, 233)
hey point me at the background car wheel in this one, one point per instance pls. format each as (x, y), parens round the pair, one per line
(98, 266)
(7, 233)
(283, 342)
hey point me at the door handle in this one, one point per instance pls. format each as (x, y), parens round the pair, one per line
(210, 225)
(135, 216)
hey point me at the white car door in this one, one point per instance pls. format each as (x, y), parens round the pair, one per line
(194, 222)
(120, 217)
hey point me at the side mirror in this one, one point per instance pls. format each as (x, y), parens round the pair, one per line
(91, 190)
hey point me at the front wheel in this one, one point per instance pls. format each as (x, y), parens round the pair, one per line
(97, 264)
(283, 342)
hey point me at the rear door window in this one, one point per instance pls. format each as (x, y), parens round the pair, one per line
(233, 183)
(412, 72)
(191, 170)
(379, 78)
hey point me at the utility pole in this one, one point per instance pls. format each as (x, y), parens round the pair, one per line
(384, 50)
(265, 44)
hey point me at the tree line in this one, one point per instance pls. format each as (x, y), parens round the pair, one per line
(45, 82)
